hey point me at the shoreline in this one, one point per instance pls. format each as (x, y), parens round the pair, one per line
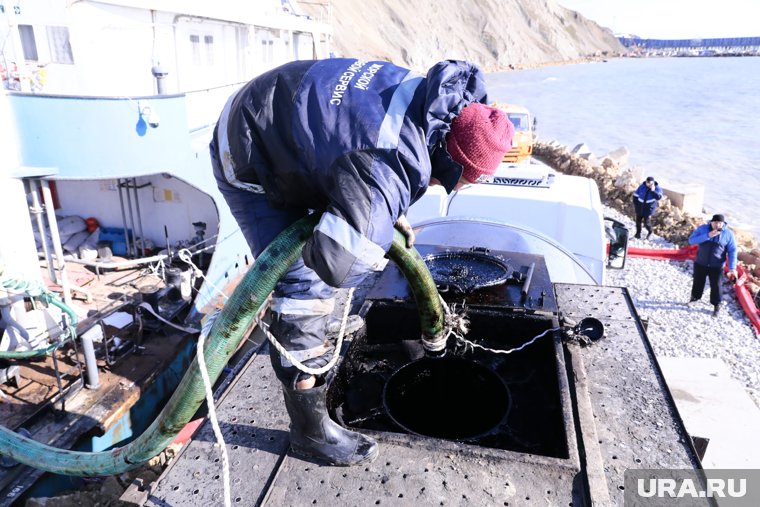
(592, 59)
(554, 63)
(617, 183)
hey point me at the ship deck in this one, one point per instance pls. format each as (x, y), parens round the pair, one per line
(623, 417)
(67, 415)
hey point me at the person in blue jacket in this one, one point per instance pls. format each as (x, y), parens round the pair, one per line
(645, 203)
(359, 142)
(716, 244)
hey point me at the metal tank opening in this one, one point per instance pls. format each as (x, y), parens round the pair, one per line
(499, 401)
(447, 397)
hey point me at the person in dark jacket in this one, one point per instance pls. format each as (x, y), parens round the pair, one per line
(645, 203)
(716, 244)
(359, 142)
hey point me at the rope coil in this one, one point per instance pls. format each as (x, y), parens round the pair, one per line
(295, 362)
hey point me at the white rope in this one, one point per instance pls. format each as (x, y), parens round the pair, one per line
(508, 351)
(295, 362)
(185, 256)
(212, 409)
(157, 269)
(457, 325)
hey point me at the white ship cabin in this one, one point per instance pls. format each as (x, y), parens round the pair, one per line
(107, 109)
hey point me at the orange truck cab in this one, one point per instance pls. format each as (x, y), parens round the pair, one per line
(525, 126)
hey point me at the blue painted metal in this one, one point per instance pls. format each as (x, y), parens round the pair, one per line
(86, 138)
(99, 137)
(132, 424)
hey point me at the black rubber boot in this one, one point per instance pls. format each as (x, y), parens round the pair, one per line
(313, 434)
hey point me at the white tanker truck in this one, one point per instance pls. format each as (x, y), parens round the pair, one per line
(530, 208)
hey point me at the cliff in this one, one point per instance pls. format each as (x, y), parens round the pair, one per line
(496, 34)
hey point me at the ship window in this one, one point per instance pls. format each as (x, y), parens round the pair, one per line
(28, 44)
(202, 55)
(267, 51)
(209, 42)
(60, 46)
(195, 42)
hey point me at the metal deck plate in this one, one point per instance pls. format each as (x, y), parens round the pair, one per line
(625, 420)
(633, 415)
(414, 476)
(603, 303)
(254, 423)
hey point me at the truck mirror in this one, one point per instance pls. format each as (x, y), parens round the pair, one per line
(617, 243)
(535, 122)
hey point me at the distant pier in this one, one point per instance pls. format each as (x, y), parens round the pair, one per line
(734, 46)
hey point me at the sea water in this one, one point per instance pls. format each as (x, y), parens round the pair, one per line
(683, 120)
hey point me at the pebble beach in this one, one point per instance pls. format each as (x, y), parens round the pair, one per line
(661, 289)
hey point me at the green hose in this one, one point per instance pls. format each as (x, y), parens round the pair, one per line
(422, 285)
(50, 298)
(226, 333)
(26, 354)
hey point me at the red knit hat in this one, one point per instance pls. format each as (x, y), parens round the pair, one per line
(479, 138)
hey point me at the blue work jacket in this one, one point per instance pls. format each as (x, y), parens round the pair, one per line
(714, 251)
(356, 140)
(645, 200)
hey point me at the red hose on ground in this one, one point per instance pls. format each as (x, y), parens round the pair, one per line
(689, 253)
(746, 300)
(661, 254)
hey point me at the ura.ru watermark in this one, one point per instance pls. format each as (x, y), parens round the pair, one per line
(682, 488)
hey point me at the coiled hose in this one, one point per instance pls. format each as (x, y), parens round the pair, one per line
(34, 290)
(225, 335)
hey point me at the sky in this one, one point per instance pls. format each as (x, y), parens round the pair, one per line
(673, 19)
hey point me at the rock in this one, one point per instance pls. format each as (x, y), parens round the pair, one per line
(619, 156)
(638, 173)
(611, 168)
(748, 258)
(582, 149)
(626, 181)
(616, 186)
(744, 238)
